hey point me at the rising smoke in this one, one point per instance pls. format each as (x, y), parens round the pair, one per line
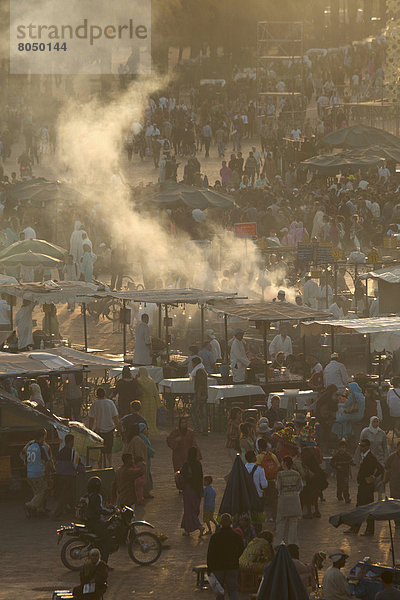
(90, 137)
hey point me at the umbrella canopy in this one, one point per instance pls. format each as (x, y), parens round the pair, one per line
(37, 246)
(171, 194)
(360, 136)
(240, 494)
(384, 510)
(29, 259)
(359, 159)
(41, 190)
(281, 579)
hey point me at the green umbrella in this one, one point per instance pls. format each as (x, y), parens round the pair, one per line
(36, 246)
(29, 259)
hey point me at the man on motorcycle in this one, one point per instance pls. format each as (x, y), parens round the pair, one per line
(95, 516)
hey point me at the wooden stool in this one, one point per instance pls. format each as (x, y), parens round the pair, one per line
(201, 571)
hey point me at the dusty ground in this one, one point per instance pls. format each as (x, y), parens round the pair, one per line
(30, 558)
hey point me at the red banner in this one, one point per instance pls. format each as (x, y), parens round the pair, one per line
(245, 230)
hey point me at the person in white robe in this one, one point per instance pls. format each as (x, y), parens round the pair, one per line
(76, 245)
(29, 233)
(23, 320)
(239, 360)
(142, 354)
(281, 343)
(310, 292)
(215, 345)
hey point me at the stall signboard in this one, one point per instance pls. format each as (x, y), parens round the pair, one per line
(245, 230)
(316, 253)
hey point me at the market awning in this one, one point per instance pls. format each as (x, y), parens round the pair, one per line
(63, 291)
(170, 194)
(270, 311)
(173, 296)
(32, 364)
(388, 274)
(83, 359)
(362, 326)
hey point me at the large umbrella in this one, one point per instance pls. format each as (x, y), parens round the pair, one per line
(281, 579)
(29, 259)
(359, 159)
(359, 136)
(240, 496)
(170, 194)
(383, 510)
(37, 246)
(41, 190)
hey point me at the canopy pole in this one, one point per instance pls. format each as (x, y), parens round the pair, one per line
(226, 337)
(335, 267)
(266, 325)
(304, 358)
(124, 326)
(85, 326)
(11, 317)
(326, 288)
(166, 333)
(369, 358)
(160, 321)
(366, 298)
(391, 543)
(355, 285)
(202, 322)
(332, 339)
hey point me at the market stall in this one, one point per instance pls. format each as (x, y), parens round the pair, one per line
(263, 314)
(380, 333)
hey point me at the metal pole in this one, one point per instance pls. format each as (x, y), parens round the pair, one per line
(335, 271)
(85, 326)
(11, 316)
(366, 297)
(265, 350)
(391, 543)
(304, 358)
(202, 322)
(166, 333)
(226, 338)
(326, 288)
(124, 326)
(355, 287)
(332, 339)
(369, 360)
(159, 321)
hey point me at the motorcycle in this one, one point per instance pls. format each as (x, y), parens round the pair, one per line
(144, 547)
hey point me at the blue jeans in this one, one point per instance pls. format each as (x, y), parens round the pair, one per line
(229, 581)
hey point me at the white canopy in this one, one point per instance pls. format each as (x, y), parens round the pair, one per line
(376, 325)
(384, 332)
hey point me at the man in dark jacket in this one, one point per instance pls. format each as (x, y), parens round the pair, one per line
(223, 554)
(370, 468)
(68, 464)
(93, 577)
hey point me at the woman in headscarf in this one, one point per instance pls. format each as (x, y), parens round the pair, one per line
(353, 412)
(150, 399)
(192, 474)
(301, 233)
(36, 394)
(87, 262)
(292, 235)
(378, 447)
(150, 453)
